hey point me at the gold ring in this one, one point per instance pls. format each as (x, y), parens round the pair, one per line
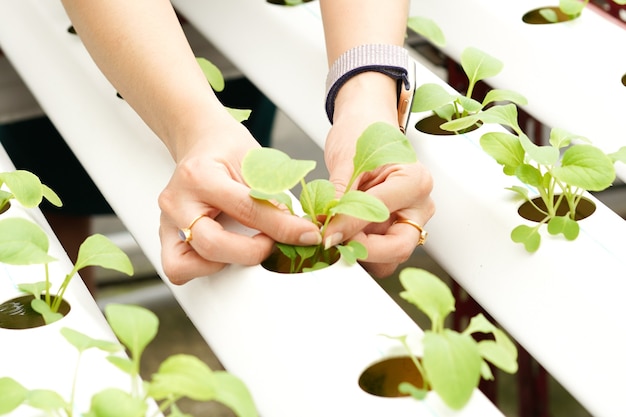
(423, 233)
(185, 233)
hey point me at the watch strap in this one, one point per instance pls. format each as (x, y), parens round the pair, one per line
(391, 60)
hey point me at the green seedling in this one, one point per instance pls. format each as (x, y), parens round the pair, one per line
(179, 376)
(570, 8)
(560, 172)
(452, 362)
(457, 109)
(270, 173)
(26, 188)
(23, 242)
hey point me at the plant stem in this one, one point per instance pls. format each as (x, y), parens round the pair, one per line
(47, 284)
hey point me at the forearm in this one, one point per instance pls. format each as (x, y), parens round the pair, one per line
(142, 50)
(350, 23)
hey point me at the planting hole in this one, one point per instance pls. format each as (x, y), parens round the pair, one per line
(528, 211)
(624, 79)
(18, 314)
(534, 17)
(431, 125)
(287, 3)
(383, 378)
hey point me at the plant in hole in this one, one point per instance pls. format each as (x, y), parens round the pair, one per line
(178, 376)
(26, 188)
(571, 8)
(23, 242)
(560, 172)
(452, 362)
(477, 65)
(270, 173)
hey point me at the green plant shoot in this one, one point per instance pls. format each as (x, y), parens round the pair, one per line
(270, 173)
(560, 172)
(461, 111)
(453, 362)
(428, 29)
(26, 188)
(23, 242)
(178, 376)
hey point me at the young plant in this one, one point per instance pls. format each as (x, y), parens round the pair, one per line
(453, 362)
(270, 173)
(178, 376)
(571, 9)
(26, 188)
(560, 173)
(23, 242)
(428, 29)
(450, 107)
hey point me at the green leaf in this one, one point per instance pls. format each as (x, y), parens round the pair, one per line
(240, 115)
(549, 14)
(361, 205)
(586, 167)
(288, 250)
(479, 65)
(452, 362)
(46, 400)
(25, 186)
(135, 326)
(544, 155)
(183, 376)
(51, 196)
(23, 242)
(457, 125)
(272, 171)
(124, 364)
(280, 198)
(428, 29)
(98, 250)
(430, 96)
(501, 352)
(352, 252)
(34, 288)
(306, 252)
(572, 8)
(560, 138)
(212, 73)
(530, 175)
(232, 392)
(83, 342)
(317, 197)
(381, 144)
(565, 225)
(520, 191)
(12, 395)
(505, 115)
(114, 402)
(620, 155)
(469, 104)
(428, 293)
(496, 95)
(529, 236)
(41, 307)
(505, 149)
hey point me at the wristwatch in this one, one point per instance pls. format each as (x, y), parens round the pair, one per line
(391, 60)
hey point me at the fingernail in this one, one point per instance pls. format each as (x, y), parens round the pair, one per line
(310, 238)
(333, 240)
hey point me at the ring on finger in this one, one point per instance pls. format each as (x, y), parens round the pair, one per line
(185, 233)
(423, 233)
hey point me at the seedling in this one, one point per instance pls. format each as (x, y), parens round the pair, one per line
(568, 10)
(451, 107)
(560, 173)
(23, 242)
(452, 362)
(26, 188)
(178, 376)
(270, 173)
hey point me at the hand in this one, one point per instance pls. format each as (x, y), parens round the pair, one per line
(405, 189)
(207, 180)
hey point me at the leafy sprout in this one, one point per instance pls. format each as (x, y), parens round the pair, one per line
(179, 376)
(560, 172)
(461, 111)
(453, 362)
(23, 242)
(26, 188)
(427, 28)
(270, 173)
